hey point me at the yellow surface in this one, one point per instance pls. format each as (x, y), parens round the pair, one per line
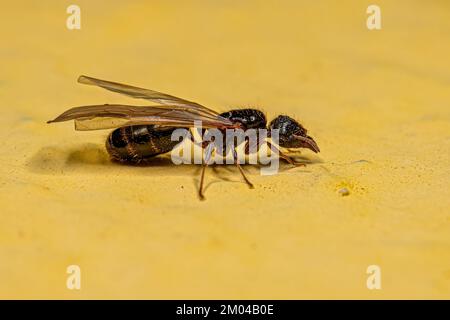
(377, 103)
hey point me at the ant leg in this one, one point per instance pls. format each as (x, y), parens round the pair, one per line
(293, 150)
(241, 170)
(286, 157)
(254, 146)
(202, 179)
(251, 186)
(209, 150)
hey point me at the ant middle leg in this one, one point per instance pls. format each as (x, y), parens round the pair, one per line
(236, 162)
(209, 148)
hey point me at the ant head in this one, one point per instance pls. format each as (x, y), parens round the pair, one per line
(292, 134)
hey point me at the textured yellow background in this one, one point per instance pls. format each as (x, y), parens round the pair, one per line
(377, 103)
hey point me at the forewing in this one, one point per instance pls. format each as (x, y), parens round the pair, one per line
(109, 116)
(147, 94)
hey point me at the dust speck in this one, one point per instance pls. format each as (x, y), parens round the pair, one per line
(344, 192)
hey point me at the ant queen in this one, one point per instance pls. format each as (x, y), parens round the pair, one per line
(143, 132)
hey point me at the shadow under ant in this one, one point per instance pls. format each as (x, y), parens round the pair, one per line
(82, 158)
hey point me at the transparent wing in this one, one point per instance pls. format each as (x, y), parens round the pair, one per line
(113, 123)
(158, 97)
(109, 116)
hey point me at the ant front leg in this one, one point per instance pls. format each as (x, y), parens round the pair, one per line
(290, 160)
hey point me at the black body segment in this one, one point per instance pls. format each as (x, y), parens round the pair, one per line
(249, 118)
(134, 144)
(288, 129)
(292, 134)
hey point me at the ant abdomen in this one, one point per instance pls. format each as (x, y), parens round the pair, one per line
(134, 144)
